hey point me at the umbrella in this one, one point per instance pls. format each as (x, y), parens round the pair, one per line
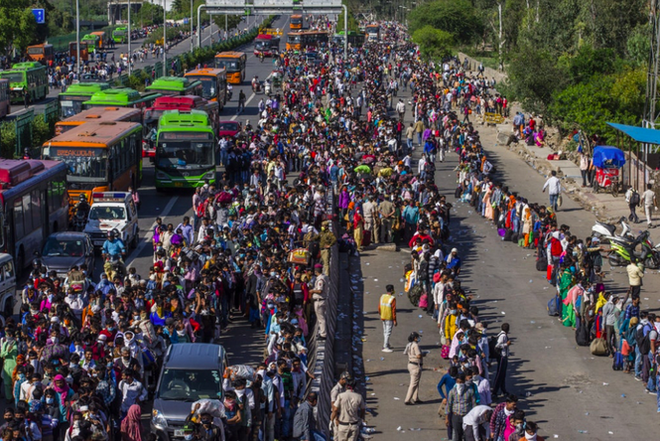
(362, 169)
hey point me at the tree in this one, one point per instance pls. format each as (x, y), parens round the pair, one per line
(457, 17)
(433, 43)
(17, 25)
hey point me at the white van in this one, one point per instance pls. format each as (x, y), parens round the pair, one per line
(113, 211)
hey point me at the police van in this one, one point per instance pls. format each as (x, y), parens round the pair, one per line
(113, 211)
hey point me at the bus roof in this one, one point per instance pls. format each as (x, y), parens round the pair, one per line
(171, 83)
(123, 96)
(230, 54)
(85, 89)
(39, 169)
(205, 72)
(183, 118)
(94, 134)
(27, 65)
(103, 113)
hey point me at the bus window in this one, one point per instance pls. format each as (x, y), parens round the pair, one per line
(18, 218)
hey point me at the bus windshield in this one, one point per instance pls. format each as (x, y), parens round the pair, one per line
(107, 213)
(82, 162)
(71, 107)
(230, 65)
(209, 87)
(180, 154)
(13, 77)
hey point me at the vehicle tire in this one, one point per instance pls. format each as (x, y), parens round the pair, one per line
(615, 260)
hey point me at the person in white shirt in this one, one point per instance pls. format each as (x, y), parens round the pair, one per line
(476, 423)
(553, 185)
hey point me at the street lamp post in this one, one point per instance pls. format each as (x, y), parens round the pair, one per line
(192, 44)
(78, 37)
(164, 37)
(130, 55)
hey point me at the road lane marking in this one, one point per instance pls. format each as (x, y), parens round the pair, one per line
(150, 234)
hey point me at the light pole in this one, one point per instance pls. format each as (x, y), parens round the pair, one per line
(164, 37)
(130, 55)
(78, 37)
(192, 44)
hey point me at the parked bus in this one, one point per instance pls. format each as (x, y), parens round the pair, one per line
(234, 65)
(300, 40)
(103, 39)
(120, 35)
(183, 103)
(99, 114)
(73, 51)
(71, 101)
(214, 84)
(5, 106)
(296, 22)
(99, 156)
(373, 33)
(33, 204)
(30, 75)
(185, 150)
(268, 45)
(355, 39)
(124, 97)
(92, 41)
(42, 53)
(172, 86)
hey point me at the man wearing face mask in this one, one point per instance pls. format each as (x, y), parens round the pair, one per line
(500, 414)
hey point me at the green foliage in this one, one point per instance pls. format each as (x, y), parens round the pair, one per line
(353, 24)
(457, 17)
(433, 43)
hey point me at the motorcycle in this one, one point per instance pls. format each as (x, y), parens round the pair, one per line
(602, 229)
(623, 249)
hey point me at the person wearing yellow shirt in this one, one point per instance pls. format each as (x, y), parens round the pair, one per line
(387, 311)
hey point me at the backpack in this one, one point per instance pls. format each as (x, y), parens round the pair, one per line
(555, 247)
(635, 199)
(415, 293)
(643, 341)
(582, 334)
(541, 261)
(554, 306)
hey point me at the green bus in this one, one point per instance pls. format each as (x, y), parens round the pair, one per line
(173, 86)
(30, 75)
(92, 41)
(120, 35)
(123, 97)
(71, 101)
(185, 150)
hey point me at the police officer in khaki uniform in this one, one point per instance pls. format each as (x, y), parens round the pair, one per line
(415, 366)
(348, 412)
(319, 297)
(327, 241)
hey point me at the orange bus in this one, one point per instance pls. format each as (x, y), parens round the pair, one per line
(73, 51)
(300, 40)
(100, 156)
(296, 22)
(99, 114)
(214, 84)
(103, 39)
(42, 53)
(234, 64)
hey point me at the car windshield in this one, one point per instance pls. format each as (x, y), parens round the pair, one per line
(189, 385)
(184, 154)
(107, 213)
(65, 248)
